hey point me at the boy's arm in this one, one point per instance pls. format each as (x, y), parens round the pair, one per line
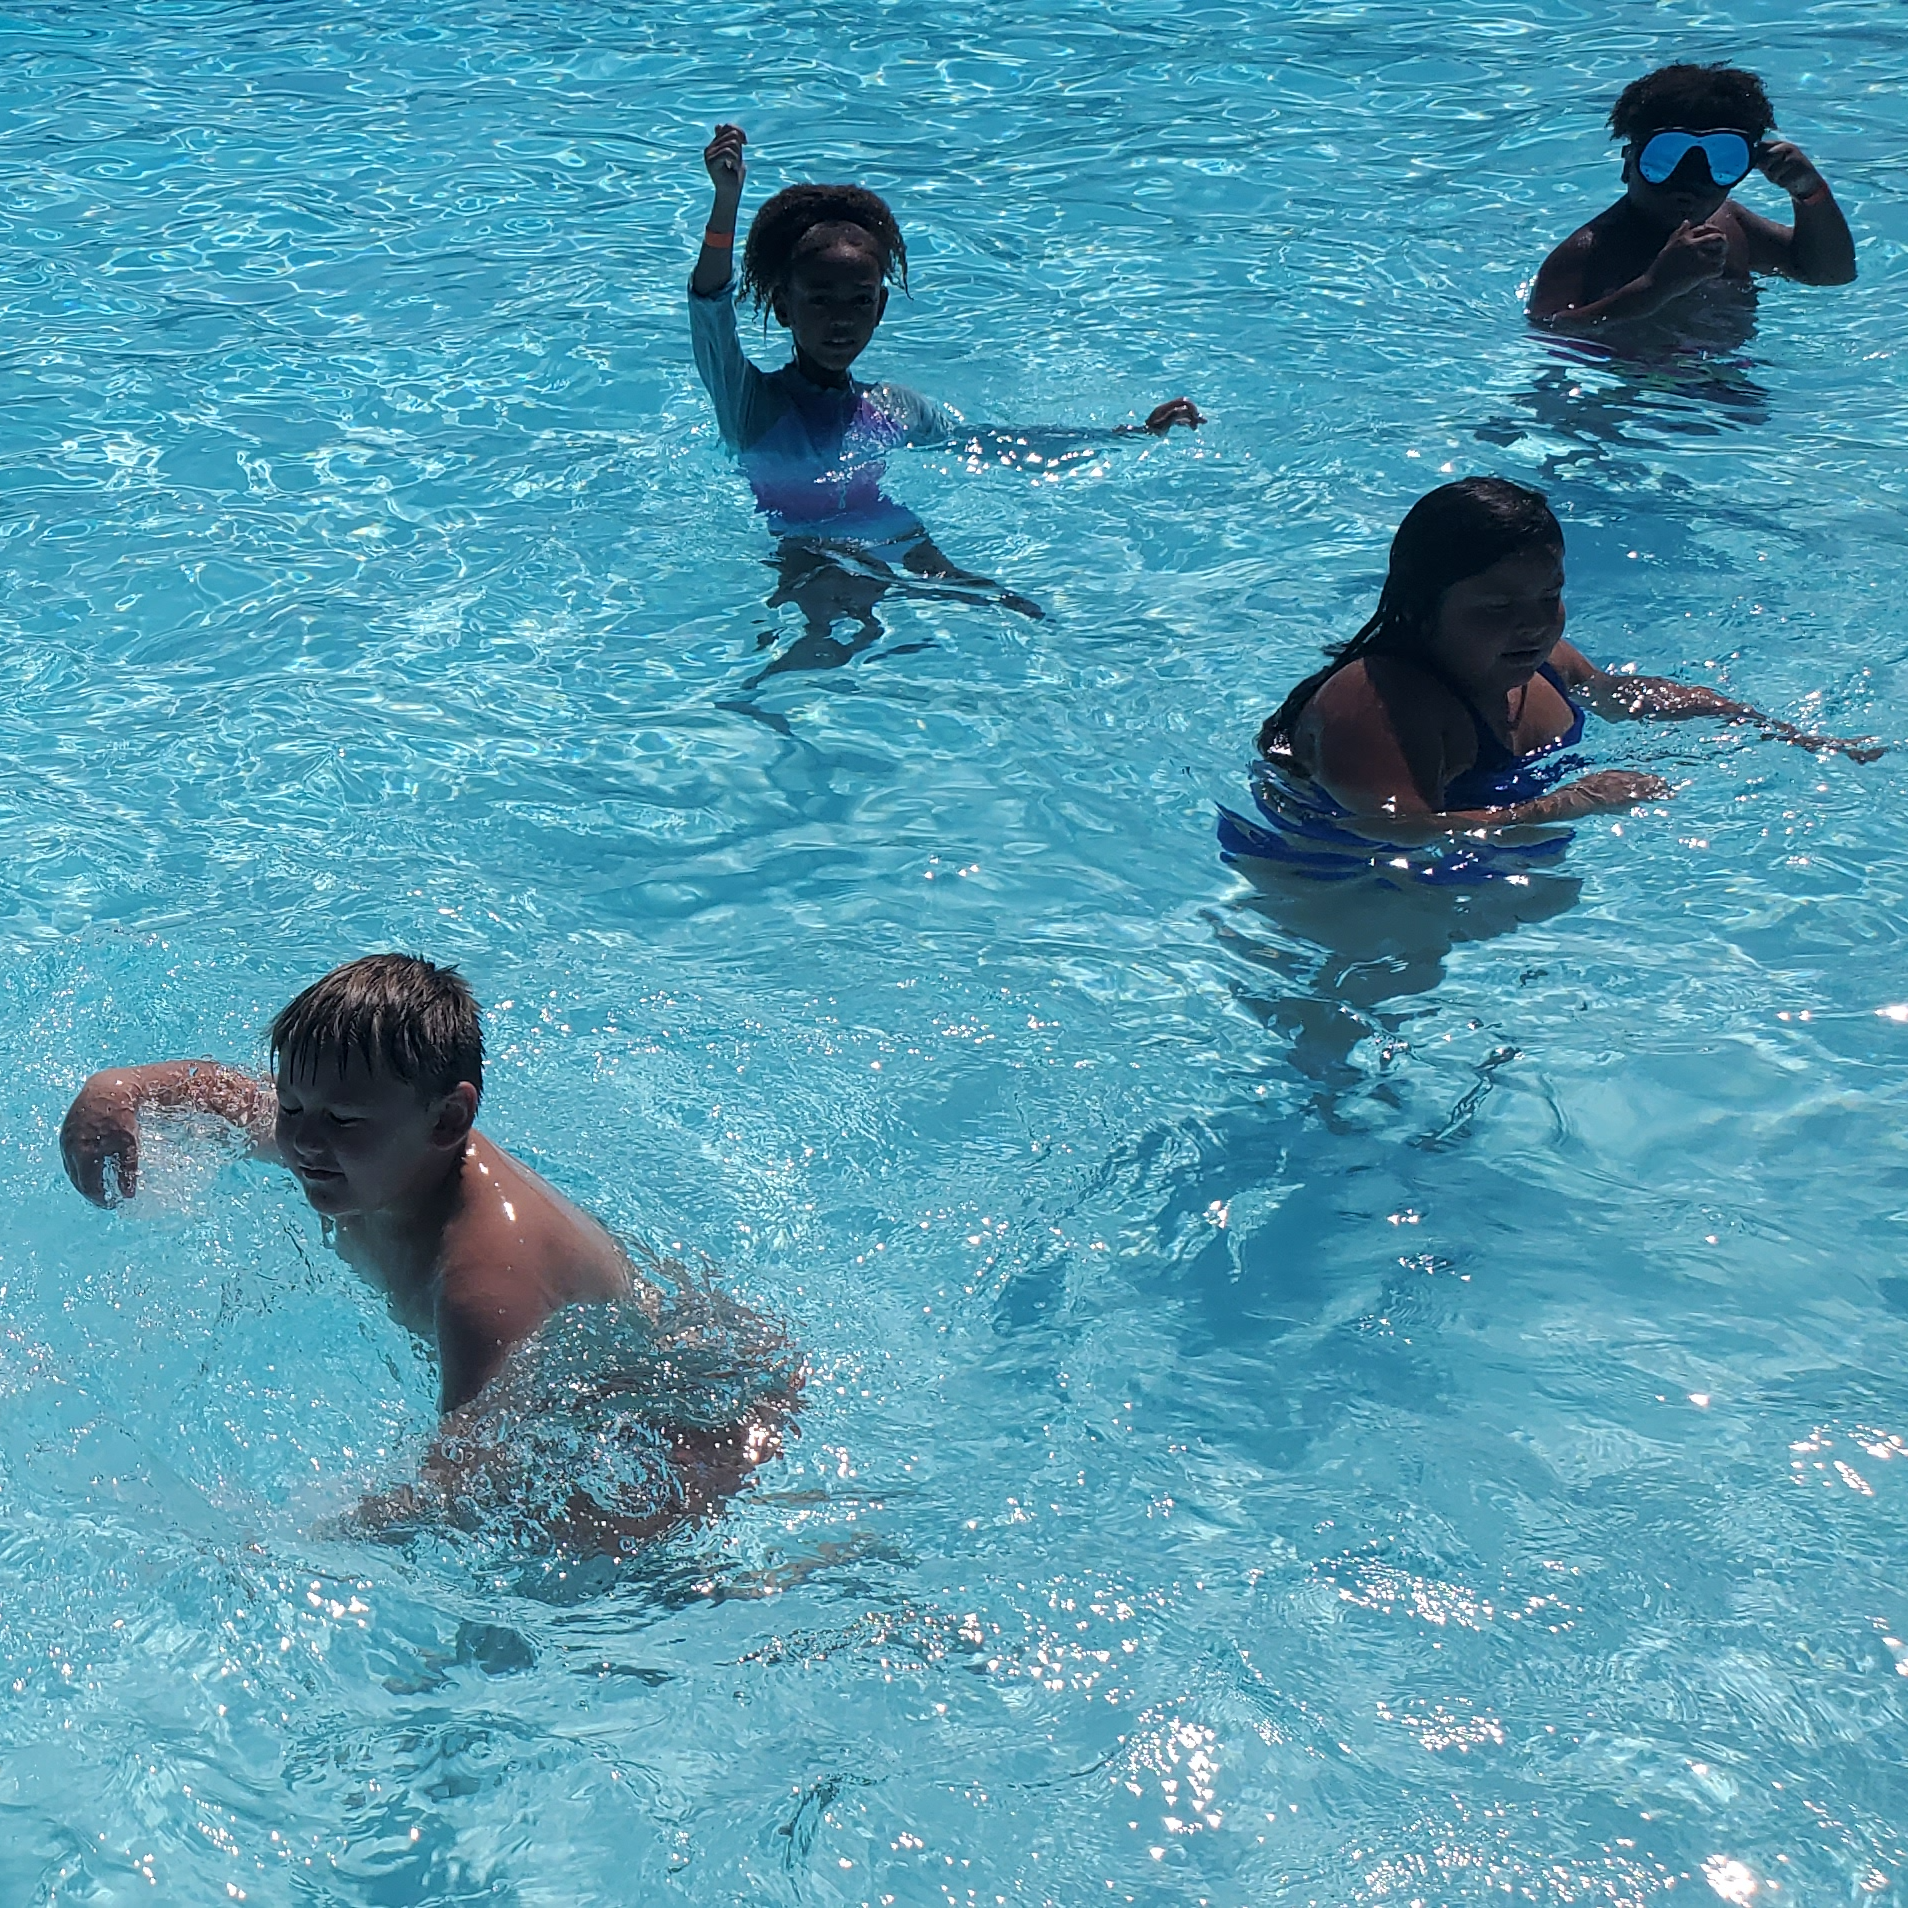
(1691, 255)
(1818, 249)
(473, 1339)
(99, 1138)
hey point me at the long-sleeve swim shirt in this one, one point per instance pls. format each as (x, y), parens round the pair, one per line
(813, 454)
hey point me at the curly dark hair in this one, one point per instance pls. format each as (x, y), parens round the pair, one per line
(778, 229)
(1697, 97)
(1456, 531)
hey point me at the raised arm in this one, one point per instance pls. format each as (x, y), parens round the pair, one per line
(1818, 249)
(715, 263)
(1660, 699)
(99, 1138)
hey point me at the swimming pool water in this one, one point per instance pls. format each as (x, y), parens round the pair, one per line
(1358, 1406)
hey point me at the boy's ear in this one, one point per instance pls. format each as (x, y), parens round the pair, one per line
(778, 304)
(881, 310)
(454, 1115)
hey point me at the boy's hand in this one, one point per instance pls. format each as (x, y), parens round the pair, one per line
(99, 1143)
(1179, 410)
(723, 158)
(1784, 165)
(1691, 255)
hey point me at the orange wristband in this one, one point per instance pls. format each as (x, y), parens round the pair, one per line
(718, 241)
(1816, 197)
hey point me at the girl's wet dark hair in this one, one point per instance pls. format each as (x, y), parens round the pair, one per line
(778, 229)
(412, 1019)
(1697, 98)
(1456, 531)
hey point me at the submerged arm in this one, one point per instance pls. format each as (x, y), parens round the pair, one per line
(1061, 443)
(1395, 794)
(1661, 699)
(99, 1138)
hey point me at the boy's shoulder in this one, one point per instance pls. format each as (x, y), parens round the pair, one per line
(1601, 254)
(512, 1233)
(513, 1252)
(1606, 230)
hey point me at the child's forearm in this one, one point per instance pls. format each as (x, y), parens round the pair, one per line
(212, 1087)
(1824, 247)
(1660, 699)
(715, 263)
(1642, 297)
(99, 1138)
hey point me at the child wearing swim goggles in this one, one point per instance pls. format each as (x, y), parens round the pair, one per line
(1691, 134)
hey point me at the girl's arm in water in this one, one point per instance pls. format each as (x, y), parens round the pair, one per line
(99, 1138)
(1054, 445)
(1391, 783)
(1660, 699)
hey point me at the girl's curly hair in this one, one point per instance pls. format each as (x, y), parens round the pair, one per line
(777, 230)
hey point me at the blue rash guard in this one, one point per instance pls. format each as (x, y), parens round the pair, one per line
(813, 454)
(1299, 825)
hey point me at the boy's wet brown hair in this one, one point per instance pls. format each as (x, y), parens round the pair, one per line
(1696, 98)
(777, 231)
(406, 1016)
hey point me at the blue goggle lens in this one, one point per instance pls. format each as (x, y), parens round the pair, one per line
(1726, 154)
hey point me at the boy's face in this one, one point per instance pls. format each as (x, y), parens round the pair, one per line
(1495, 628)
(362, 1140)
(832, 302)
(1688, 193)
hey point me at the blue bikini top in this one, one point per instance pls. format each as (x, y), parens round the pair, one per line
(1497, 779)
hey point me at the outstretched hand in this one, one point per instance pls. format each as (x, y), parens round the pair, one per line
(722, 156)
(1179, 410)
(1861, 748)
(99, 1145)
(1785, 165)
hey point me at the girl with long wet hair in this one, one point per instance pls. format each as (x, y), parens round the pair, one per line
(1455, 708)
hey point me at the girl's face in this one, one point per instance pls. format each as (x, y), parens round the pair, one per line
(1495, 628)
(831, 304)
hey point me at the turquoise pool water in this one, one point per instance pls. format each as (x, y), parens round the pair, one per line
(1342, 1407)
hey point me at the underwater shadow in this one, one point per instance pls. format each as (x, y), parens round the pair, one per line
(831, 583)
(1596, 402)
(1341, 953)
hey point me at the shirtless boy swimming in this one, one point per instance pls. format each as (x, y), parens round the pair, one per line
(379, 1071)
(1690, 135)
